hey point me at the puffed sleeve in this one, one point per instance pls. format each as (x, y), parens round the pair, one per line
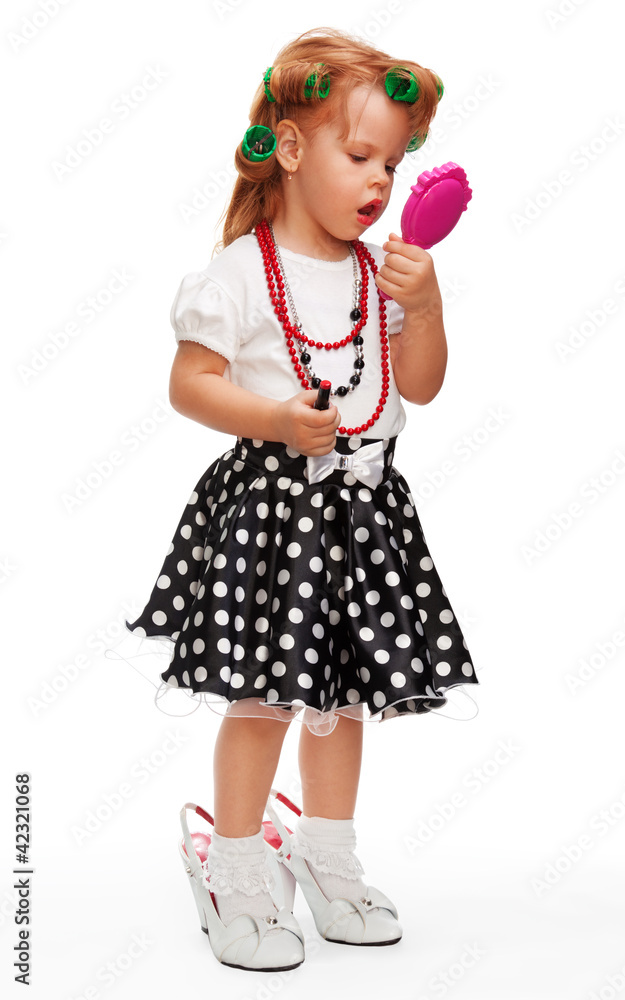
(202, 311)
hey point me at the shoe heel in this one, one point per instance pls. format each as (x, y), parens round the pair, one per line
(288, 886)
(196, 896)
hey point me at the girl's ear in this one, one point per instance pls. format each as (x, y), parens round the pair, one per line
(288, 144)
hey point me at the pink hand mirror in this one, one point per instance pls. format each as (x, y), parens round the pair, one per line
(434, 206)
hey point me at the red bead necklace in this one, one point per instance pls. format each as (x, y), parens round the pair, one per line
(276, 286)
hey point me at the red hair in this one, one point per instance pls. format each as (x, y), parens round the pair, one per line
(349, 62)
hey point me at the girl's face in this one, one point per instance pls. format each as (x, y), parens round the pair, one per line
(342, 186)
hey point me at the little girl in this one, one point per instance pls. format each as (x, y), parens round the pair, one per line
(298, 579)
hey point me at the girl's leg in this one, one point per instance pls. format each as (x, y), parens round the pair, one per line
(247, 751)
(330, 769)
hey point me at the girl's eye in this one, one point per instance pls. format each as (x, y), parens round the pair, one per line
(363, 159)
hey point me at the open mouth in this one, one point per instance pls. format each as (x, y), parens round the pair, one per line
(369, 212)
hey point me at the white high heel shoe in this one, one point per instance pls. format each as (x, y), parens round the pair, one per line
(370, 921)
(244, 942)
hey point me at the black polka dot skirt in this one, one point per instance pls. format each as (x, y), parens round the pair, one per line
(280, 593)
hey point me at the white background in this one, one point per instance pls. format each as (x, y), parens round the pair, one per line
(478, 846)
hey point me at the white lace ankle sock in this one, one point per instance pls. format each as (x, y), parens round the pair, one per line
(239, 876)
(328, 846)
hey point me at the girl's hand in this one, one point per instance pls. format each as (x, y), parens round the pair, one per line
(309, 431)
(408, 276)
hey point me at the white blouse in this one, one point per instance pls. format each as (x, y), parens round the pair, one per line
(227, 307)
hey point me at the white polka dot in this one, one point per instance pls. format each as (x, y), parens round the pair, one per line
(364, 675)
(373, 597)
(198, 618)
(305, 589)
(242, 536)
(262, 509)
(224, 646)
(200, 674)
(287, 641)
(367, 634)
(224, 673)
(183, 650)
(238, 652)
(353, 609)
(186, 680)
(316, 500)
(387, 619)
(311, 655)
(278, 669)
(337, 553)
(443, 642)
(220, 589)
(398, 680)
(163, 582)
(352, 696)
(467, 669)
(293, 550)
(423, 590)
(296, 615)
(443, 669)
(261, 568)
(237, 680)
(417, 665)
(379, 699)
(392, 579)
(296, 489)
(361, 534)
(380, 517)
(186, 530)
(426, 563)
(316, 564)
(182, 567)
(260, 681)
(261, 624)
(305, 680)
(446, 616)
(284, 482)
(262, 652)
(197, 552)
(172, 681)
(283, 577)
(406, 601)
(199, 646)
(402, 640)
(239, 594)
(219, 561)
(305, 524)
(272, 695)
(381, 656)
(377, 556)
(159, 617)
(364, 494)
(222, 617)
(271, 463)
(193, 499)
(241, 565)
(330, 512)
